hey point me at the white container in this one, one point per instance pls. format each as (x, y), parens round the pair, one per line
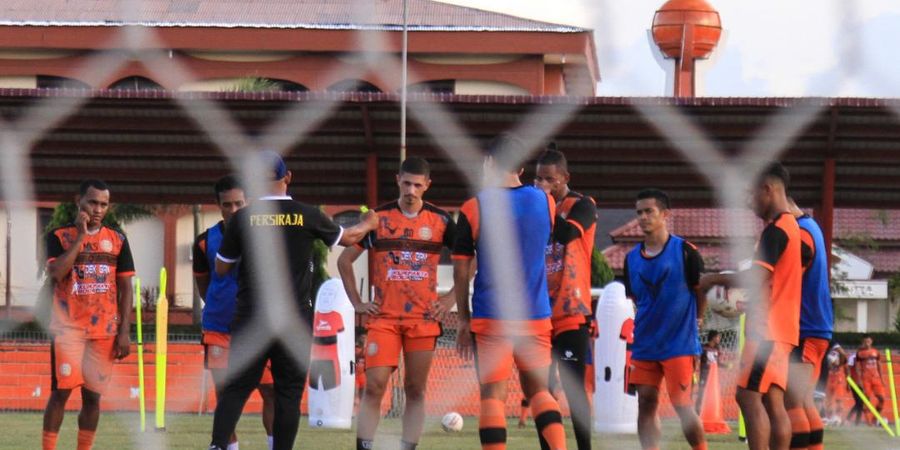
(615, 411)
(332, 376)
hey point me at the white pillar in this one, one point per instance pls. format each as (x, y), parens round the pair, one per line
(862, 315)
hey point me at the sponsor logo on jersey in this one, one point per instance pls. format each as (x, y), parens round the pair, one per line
(323, 326)
(106, 245)
(406, 275)
(425, 233)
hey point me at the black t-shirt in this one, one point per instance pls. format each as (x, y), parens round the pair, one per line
(295, 227)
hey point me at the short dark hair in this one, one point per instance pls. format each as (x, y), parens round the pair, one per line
(226, 183)
(662, 199)
(507, 150)
(415, 166)
(775, 171)
(99, 185)
(711, 334)
(553, 157)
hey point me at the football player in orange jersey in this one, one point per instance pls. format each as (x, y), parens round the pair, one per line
(406, 309)
(868, 366)
(569, 282)
(91, 268)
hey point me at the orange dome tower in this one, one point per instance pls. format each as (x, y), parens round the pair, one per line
(686, 30)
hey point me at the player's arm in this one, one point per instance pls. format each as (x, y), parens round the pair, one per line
(693, 267)
(445, 303)
(124, 300)
(354, 234)
(232, 244)
(201, 266)
(60, 262)
(348, 278)
(463, 253)
(582, 216)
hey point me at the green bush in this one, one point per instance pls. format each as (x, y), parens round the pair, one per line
(601, 273)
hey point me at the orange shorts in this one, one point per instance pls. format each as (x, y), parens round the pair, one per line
(872, 386)
(678, 372)
(763, 364)
(76, 361)
(386, 338)
(215, 354)
(811, 351)
(495, 354)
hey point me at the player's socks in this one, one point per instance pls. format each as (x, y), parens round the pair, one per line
(48, 440)
(799, 428)
(492, 425)
(548, 419)
(408, 445)
(523, 412)
(233, 446)
(364, 444)
(816, 429)
(271, 441)
(700, 446)
(85, 439)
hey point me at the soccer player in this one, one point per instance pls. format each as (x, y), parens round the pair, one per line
(405, 312)
(507, 228)
(91, 268)
(836, 387)
(868, 366)
(569, 281)
(661, 277)
(773, 321)
(709, 356)
(218, 294)
(294, 227)
(816, 326)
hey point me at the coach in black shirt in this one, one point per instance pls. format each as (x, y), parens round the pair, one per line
(265, 326)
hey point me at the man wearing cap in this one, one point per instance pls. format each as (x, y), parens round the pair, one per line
(292, 228)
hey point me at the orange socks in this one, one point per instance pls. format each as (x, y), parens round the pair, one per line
(548, 420)
(85, 439)
(48, 440)
(799, 428)
(816, 429)
(492, 425)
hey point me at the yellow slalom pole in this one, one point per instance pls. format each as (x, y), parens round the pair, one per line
(742, 426)
(869, 405)
(162, 332)
(140, 354)
(893, 389)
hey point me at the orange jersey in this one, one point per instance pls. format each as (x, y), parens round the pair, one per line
(569, 261)
(867, 361)
(86, 300)
(407, 253)
(777, 316)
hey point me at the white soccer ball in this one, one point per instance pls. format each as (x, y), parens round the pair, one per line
(726, 302)
(452, 422)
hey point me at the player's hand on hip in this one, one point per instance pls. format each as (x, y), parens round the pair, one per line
(370, 308)
(464, 339)
(123, 345)
(442, 307)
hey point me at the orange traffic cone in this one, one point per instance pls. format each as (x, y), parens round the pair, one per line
(711, 411)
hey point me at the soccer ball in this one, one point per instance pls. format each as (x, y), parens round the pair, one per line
(452, 422)
(726, 302)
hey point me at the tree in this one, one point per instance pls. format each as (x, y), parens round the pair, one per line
(601, 273)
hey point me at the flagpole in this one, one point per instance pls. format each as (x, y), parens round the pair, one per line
(404, 81)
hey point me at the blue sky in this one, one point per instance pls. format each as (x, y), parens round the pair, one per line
(771, 47)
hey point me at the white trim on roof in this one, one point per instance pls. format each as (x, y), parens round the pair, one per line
(304, 26)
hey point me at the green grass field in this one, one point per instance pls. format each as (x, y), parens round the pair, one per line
(119, 431)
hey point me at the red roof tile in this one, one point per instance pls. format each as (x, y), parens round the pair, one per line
(699, 223)
(715, 257)
(879, 224)
(423, 15)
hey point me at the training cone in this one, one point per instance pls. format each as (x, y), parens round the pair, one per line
(711, 411)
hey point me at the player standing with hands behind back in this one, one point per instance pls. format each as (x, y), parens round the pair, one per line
(661, 277)
(91, 267)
